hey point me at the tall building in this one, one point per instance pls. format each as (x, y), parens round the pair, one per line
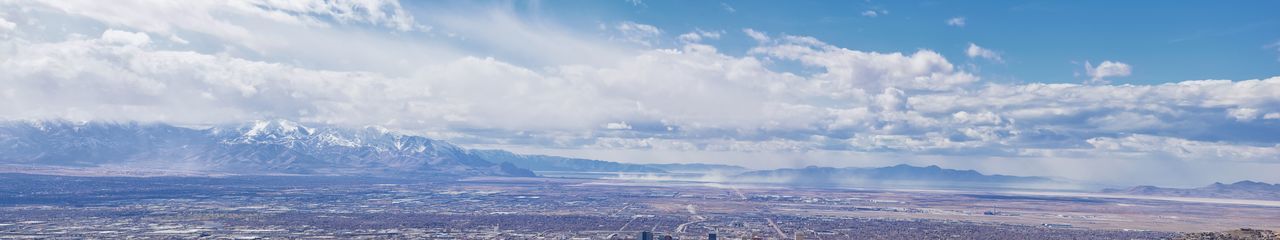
(646, 235)
(711, 236)
(667, 237)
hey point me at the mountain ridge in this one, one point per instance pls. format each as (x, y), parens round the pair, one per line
(286, 147)
(1238, 190)
(897, 175)
(567, 164)
(259, 147)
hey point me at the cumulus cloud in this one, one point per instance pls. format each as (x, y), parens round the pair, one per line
(955, 22)
(532, 85)
(850, 72)
(974, 51)
(1243, 114)
(1105, 70)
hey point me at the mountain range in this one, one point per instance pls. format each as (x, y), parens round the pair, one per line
(284, 147)
(277, 147)
(898, 175)
(261, 147)
(562, 164)
(1237, 190)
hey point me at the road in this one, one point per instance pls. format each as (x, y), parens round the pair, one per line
(775, 228)
(624, 226)
(693, 211)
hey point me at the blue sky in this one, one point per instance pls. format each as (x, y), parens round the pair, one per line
(1112, 92)
(1042, 41)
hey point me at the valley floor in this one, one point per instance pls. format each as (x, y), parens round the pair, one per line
(38, 206)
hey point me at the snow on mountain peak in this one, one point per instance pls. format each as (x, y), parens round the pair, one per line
(274, 146)
(276, 127)
(266, 131)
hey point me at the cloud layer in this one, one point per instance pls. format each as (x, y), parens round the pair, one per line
(627, 91)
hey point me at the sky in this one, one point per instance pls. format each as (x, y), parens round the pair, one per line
(1123, 93)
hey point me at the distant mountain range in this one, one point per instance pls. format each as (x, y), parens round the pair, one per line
(563, 164)
(697, 168)
(284, 147)
(262, 147)
(899, 175)
(553, 163)
(1238, 190)
(274, 147)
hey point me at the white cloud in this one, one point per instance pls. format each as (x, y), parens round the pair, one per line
(974, 51)
(956, 22)
(617, 126)
(690, 37)
(310, 33)
(178, 40)
(215, 17)
(6, 25)
(757, 35)
(126, 38)
(386, 13)
(983, 118)
(502, 32)
(698, 35)
(1274, 115)
(875, 13)
(1126, 122)
(849, 72)
(1157, 146)
(1243, 114)
(642, 34)
(1105, 70)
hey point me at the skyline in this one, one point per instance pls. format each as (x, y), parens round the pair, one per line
(1158, 99)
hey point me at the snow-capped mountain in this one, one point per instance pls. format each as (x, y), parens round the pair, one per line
(262, 147)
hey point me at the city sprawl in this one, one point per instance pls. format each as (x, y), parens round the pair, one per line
(36, 206)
